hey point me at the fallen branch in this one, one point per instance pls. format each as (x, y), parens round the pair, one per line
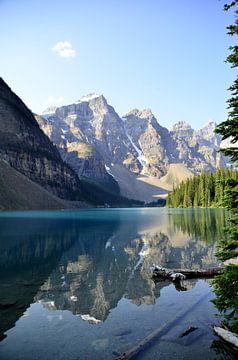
(158, 333)
(181, 274)
(227, 336)
(188, 331)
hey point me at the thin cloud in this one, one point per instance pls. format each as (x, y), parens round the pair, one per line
(64, 49)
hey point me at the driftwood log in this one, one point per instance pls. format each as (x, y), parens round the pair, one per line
(158, 333)
(227, 336)
(182, 274)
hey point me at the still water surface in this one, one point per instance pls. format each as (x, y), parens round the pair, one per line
(77, 284)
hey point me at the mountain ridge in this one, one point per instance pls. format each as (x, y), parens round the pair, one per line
(32, 163)
(134, 149)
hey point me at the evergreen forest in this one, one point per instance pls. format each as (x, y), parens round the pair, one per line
(205, 190)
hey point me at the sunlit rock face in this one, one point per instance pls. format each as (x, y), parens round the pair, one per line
(198, 149)
(99, 144)
(154, 145)
(89, 135)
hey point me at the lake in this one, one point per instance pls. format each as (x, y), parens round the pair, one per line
(77, 284)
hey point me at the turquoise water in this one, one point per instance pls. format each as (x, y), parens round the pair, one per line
(77, 284)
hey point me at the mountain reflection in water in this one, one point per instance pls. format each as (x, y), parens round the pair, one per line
(87, 261)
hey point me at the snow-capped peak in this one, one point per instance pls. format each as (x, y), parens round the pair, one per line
(89, 97)
(210, 124)
(49, 110)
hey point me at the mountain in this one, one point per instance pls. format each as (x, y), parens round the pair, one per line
(17, 191)
(154, 146)
(25, 147)
(33, 173)
(133, 154)
(198, 150)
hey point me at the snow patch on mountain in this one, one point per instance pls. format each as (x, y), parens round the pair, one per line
(109, 171)
(72, 116)
(142, 160)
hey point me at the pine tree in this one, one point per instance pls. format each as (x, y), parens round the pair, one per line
(226, 283)
(196, 198)
(206, 190)
(202, 189)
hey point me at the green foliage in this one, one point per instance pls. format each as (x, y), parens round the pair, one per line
(206, 190)
(226, 290)
(229, 248)
(226, 283)
(229, 127)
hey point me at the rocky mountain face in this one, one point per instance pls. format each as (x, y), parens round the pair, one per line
(89, 134)
(198, 150)
(25, 147)
(153, 144)
(134, 151)
(35, 175)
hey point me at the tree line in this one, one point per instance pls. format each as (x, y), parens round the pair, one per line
(205, 190)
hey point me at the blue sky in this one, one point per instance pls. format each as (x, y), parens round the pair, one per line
(164, 55)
